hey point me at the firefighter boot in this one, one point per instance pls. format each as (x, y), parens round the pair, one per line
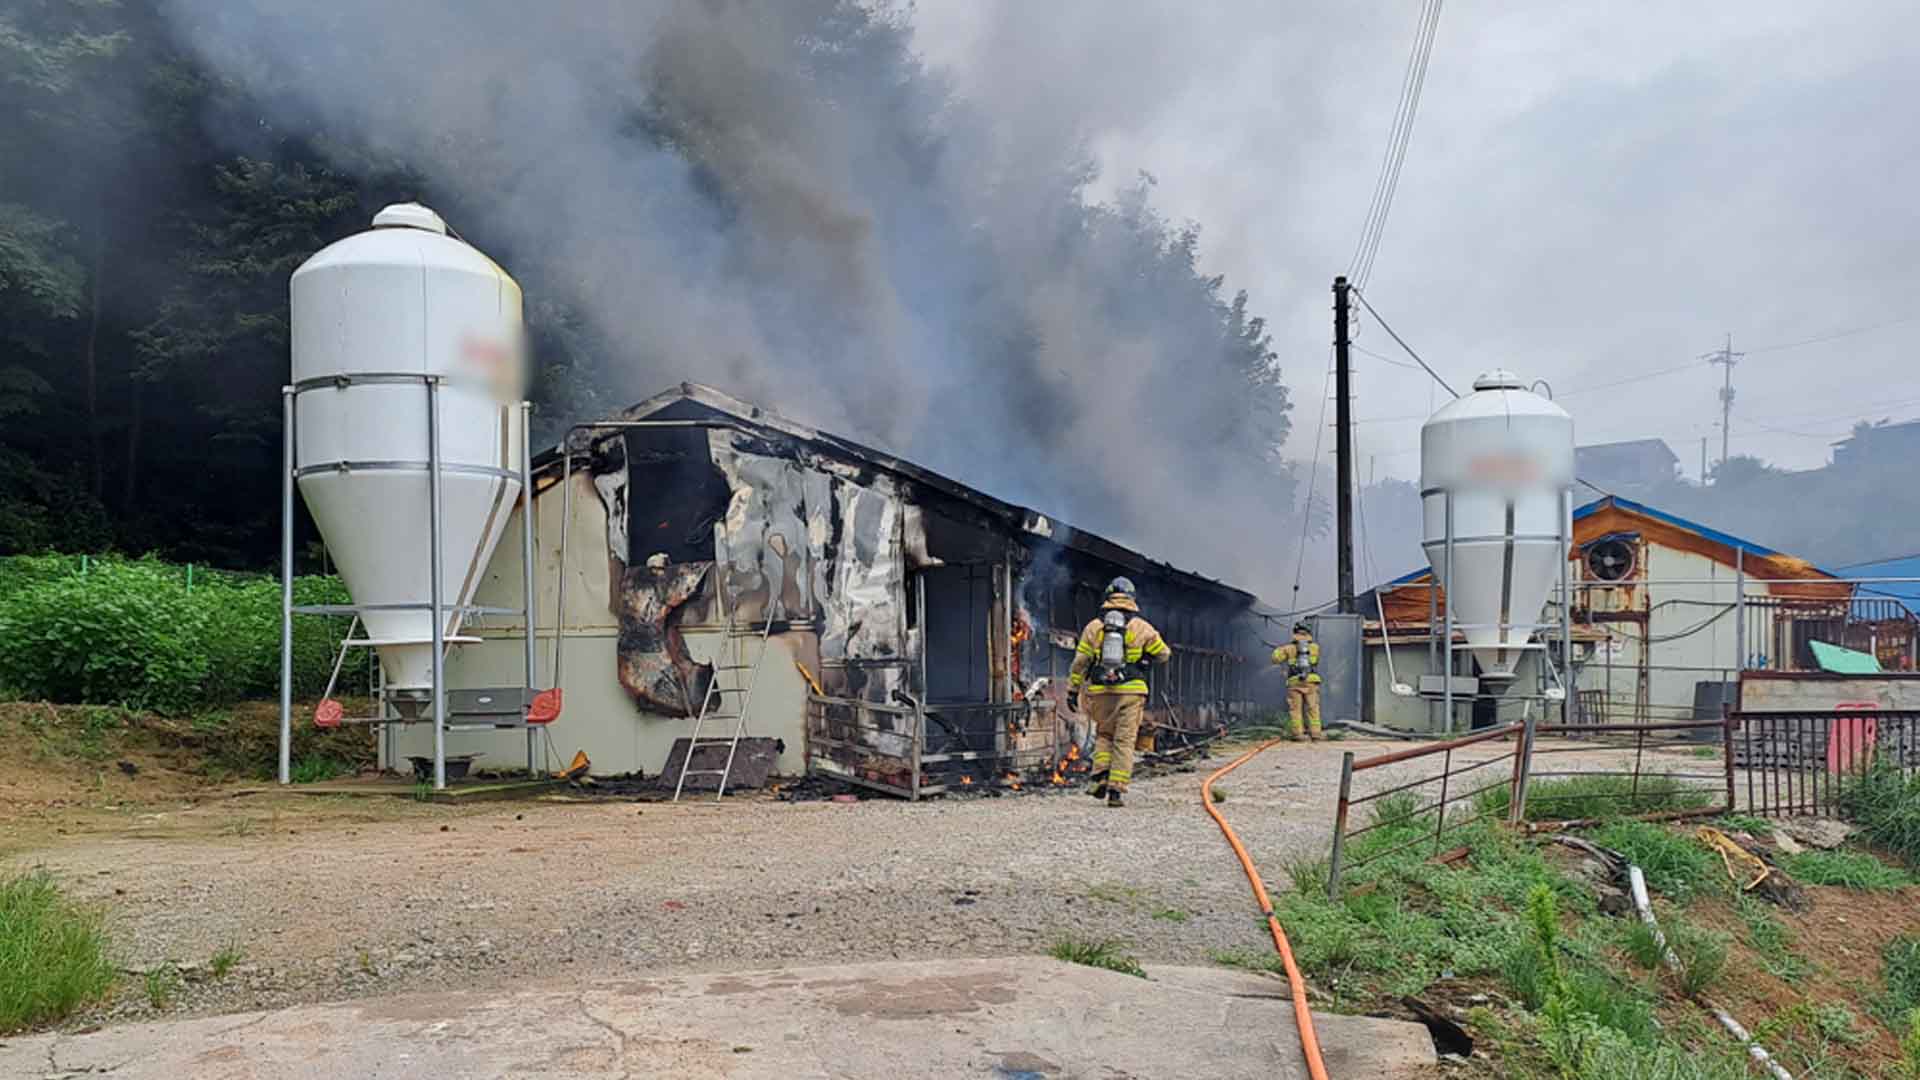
(1116, 800)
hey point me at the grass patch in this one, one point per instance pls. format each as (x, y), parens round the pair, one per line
(1172, 915)
(1641, 946)
(1675, 866)
(1743, 823)
(224, 961)
(1249, 960)
(1101, 954)
(1416, 920)
(1900, 972)
(1886, 806)
(163, 984)
(1702, 953)
(1597, 797)
(1846, 869)
(316, 768)
(1770, 939)
(53, 954)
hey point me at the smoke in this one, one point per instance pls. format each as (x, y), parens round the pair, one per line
(783, 201)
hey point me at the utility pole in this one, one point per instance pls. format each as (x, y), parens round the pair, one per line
(1726, 357)
(1343, 425)
(1703, 461)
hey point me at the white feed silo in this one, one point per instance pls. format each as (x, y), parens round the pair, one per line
(397, 332)
(1496, 475)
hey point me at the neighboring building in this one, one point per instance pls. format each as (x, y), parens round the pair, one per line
(907, 617)
(1634, 465)
(1657, 624)
(1879, 443)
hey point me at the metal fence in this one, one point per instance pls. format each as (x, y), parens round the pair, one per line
(1802, 762)
(1466, 770)
(913, 751)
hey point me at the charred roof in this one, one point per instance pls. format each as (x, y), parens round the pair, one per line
(694, 402)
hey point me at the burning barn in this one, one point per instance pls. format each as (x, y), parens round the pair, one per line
(852, 613)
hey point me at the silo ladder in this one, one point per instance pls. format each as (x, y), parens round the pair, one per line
(714, 705)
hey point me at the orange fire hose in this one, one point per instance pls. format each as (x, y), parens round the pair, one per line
(1309, 1042)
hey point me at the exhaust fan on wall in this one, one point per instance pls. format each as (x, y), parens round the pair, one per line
(1610, 558)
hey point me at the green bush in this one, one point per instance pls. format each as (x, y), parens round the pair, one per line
(53, 955)
(134, 633)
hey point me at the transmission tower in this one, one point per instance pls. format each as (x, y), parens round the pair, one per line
(1725, 357)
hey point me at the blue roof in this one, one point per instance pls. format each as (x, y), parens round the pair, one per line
(1715, 535)
(1907, 592)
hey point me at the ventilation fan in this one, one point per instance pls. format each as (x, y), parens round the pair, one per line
(1611, 558)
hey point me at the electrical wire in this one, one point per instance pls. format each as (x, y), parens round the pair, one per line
(1313, 477)
(1399, 134)
(1400, 341)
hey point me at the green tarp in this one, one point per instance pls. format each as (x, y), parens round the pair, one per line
(1844, 661)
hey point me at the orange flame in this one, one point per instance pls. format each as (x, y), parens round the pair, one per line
(966, 781)
(1022, 630)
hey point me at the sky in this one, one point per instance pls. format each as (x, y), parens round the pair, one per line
(1594, 194)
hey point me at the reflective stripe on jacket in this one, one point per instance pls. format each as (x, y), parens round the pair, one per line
(1302, 670)
(1143, 643)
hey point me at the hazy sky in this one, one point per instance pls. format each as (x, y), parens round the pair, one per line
(1594, 192)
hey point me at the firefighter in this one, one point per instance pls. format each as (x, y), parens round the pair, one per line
(1301, 658)
(1110, 666)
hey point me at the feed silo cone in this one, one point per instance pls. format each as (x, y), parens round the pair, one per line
(1503, 456)
(373, 316)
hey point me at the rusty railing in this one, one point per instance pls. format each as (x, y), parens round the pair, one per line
(1455, 782)
(1802, 762)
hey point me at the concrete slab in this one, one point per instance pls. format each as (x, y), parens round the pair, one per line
(1013, 1019)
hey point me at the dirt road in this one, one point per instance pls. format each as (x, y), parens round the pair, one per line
(329, 898)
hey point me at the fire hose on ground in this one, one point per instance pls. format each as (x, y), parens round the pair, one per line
(1309, 1041)
(1637, 885)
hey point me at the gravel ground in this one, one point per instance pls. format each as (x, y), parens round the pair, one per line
(327, 901)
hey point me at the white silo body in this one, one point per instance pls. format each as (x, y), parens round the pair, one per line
(1505, 455)
(371, 315)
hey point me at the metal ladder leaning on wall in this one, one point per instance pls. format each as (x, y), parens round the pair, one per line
(714, 705)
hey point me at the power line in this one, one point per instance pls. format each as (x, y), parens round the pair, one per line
(1398, 340)
(1313, 477)
(1835, 336)
(1412, 82)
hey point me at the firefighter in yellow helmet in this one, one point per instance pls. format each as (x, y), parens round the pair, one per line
(1110, 667)
(1301, 658)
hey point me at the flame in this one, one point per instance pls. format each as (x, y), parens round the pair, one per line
(1013, 781)
(1066, 765)
(1022, 630)
(966, 781)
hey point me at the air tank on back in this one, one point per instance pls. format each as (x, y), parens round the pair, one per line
(372, 317)
(1503, 456)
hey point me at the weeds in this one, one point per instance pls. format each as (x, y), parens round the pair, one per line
(224, 961)
(53, 955)
(1172, 915)
(1743, 823)
(315, 768)
(1886, 805)
(1642, 946)
(1675, 866)
(1900, 971)
(1846, 869)
(162, 985)
(1910, 1044)
(1702, 953)
(1771, 940)
(1101, 954)
(1599, 797)
(1249, 960)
